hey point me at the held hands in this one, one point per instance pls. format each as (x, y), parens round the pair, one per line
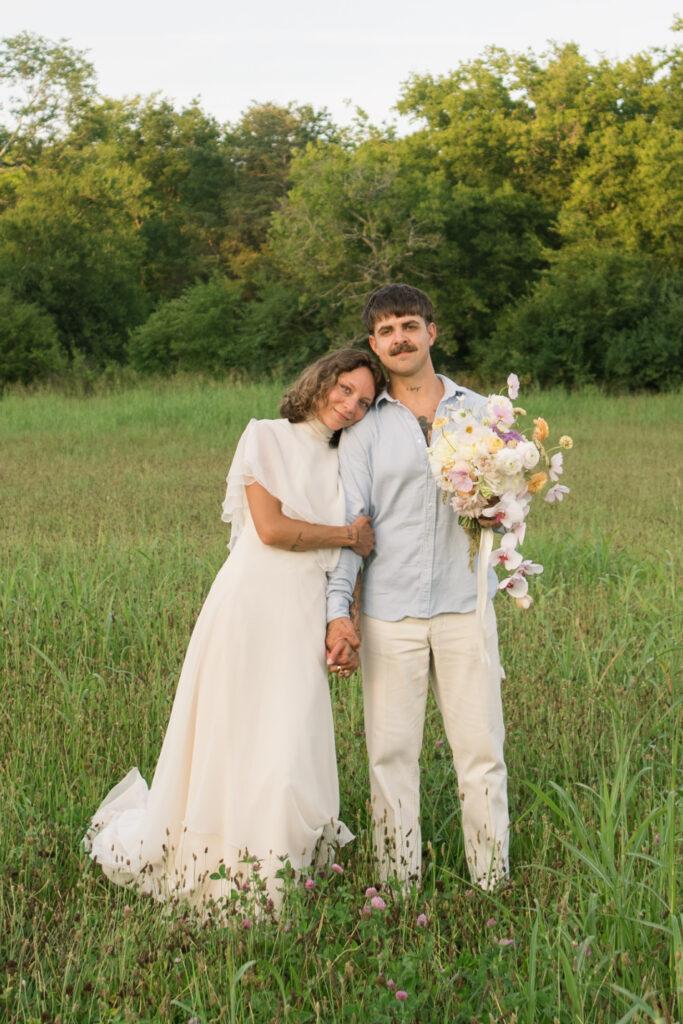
(362, 536)
(342, 647)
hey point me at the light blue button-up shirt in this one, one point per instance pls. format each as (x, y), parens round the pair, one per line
(420, 564)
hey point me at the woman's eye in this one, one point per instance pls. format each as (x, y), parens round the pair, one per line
(345, 388)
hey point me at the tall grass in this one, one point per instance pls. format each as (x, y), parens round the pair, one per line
(110, 535)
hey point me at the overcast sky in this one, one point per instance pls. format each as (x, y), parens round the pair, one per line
(231, 54)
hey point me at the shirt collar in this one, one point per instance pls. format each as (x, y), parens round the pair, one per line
(450, 390)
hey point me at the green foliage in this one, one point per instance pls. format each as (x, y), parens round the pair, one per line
(608, 318)
(71, 244)
(47, 87)
(525, 174)
(29, 347)
(196, 332)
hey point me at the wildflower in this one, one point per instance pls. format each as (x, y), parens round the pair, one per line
(422, 921)
(513, 386)
(505, 942)
(391, 984)
(556, 493)
(246, 923)
(378, 903)
(541, 430)
(491, 922)
(401, 995)
(309, 883)
(127, 910)
(566, 442)
(366, 911)
(656, 837)
(370, 891)
(469, 893)
(338, 868)
(439, 743)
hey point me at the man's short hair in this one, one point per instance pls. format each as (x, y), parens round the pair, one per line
(396, 300)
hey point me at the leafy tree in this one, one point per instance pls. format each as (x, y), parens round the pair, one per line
(262, 146)
(45, 88)
(71, 244)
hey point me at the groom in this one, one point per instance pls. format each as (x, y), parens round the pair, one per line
(419, 596)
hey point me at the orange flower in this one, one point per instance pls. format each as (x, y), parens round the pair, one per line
(536, 482)
(541, 429)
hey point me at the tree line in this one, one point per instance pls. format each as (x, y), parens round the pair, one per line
(538, 199)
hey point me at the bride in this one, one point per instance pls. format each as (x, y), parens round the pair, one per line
(247, 775)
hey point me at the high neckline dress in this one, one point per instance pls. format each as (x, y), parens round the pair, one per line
(247, 772)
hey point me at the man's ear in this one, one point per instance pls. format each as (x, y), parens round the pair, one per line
(372, 343)
(431, 330)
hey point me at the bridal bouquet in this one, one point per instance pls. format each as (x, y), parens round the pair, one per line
(487, 467)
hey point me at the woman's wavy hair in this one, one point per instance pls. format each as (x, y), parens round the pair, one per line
(317, 380)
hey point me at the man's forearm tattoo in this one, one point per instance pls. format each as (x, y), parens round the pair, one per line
(426, 427)
(296, 545)
(352, 534)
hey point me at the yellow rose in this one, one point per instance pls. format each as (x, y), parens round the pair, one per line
(536, 482)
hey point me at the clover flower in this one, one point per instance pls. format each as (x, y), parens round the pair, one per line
(370, 891)
(377, 903)
(309, 883)
(338, 868)
(401, 995)
(422, 921)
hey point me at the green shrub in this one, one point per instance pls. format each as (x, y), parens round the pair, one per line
(29, 346)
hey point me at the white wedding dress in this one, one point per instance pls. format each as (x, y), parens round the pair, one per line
(248, 765)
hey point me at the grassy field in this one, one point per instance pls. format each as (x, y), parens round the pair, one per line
(110, 535)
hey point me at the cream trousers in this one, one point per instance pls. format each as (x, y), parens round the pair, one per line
(398, 661)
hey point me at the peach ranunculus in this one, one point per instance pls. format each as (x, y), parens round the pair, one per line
(541, 429)
(494, 443)
(536, 482)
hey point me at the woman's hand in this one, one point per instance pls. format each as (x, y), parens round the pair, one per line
(363, 536)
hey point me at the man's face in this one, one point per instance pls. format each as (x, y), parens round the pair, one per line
(403, 343)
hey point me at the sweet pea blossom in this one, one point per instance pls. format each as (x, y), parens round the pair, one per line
(513, 386)
(556, 493)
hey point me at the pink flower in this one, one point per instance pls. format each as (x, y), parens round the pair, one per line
(391, 984)
(469, 893)
(370, 891)
(422, 921)
(366, 911)
(246, 924)
(401, 995)
(378, 903)
(309, 883)
(461, 480)
(338, 868)
(505, 942)
(556, 493)
(513, 386)
(439, 743)
(491, 922)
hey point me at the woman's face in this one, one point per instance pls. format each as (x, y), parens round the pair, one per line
(348, 400)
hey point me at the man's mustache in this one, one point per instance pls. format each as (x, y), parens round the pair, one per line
(403, 346)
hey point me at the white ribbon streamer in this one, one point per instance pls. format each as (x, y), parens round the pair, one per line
(485, 549)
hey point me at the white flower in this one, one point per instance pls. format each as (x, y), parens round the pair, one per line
(555, 470)
(529, 454)
(509, 461)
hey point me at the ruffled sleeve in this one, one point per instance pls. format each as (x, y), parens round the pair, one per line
(293, 466)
